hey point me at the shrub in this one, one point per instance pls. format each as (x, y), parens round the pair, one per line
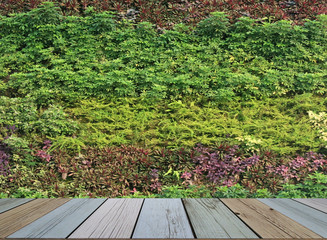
(314, 186)
(128, 171)
(4, 160)
(4, 195)
(192, 191)
(71, 58)
(272, 172)
(167, 13)
(5, 150)
(320, 122)
(27, 193)
(262, 193)
(223, 165)
(18, 112)
(281, 125)
(214, 27)
(23, 114)
(107, 172)
(236, 191)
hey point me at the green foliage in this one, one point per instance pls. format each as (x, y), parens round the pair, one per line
(21, 151)
(319, 121)
(315, 186)
(262, 193)
(17, 143)
(239, 191)
(281, 125)
(24, 115)
(28, 193)
(140, 195)
(4, 195)
(215, 26)
(92, 81)
(48, 58)
(53, 122)
(192, 191)
(45, 14)
(68, 143)
(18, 112)
(100, 23)
(236, 191)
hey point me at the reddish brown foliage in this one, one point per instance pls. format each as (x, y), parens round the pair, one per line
(166, 13)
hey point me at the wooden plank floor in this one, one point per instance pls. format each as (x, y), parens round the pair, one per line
(317, 203)
(212, 219)
(266, 221)
(163, 218)
(19, 217)
(60, 222)
(305, 215)
(7, 204)
(116, 218)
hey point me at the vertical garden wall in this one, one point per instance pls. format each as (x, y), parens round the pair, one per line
(95, 104)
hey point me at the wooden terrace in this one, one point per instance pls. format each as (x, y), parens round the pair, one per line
(163, 218)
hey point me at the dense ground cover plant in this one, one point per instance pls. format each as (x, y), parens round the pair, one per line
(225, 171)
(50, 63)
(281, 125)
(320, 122)
(27, 119)
(48, 57)
(224, 165)
(166, 13)
(4, 151)
(314, 186)
(271, 172)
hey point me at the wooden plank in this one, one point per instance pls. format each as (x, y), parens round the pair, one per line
(163, 218)
(116, 218)
(62, 221)
(18, 217)
(161, 239)
(267, 222)
(210, 218)
(317, 203)
(305, 215)
(9, 203)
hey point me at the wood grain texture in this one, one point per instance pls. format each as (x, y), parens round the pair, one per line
(9, 203)
(210, 218)
(317, 203)
(311, 218)
(116, 218)
(162, 239)
(163, 218)
(18, 217)
(60, 222)
(267, 222)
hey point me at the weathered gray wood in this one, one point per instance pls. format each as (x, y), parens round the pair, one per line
(115, 218)
(317, 203)
(60, 222)
(9, 203)
(19, 217)
(311, 218)
(210, 218)
(163, 218)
